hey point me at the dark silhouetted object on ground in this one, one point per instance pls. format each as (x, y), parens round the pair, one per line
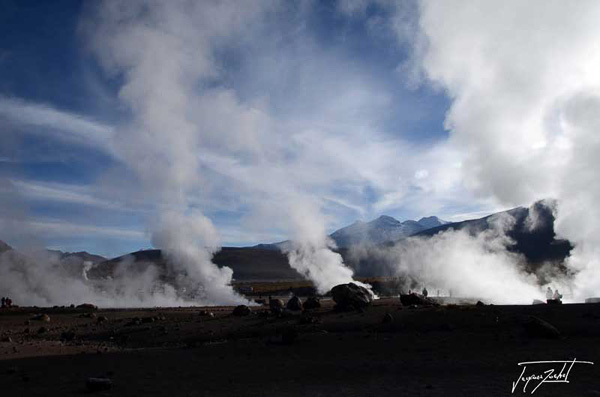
(241, 310)
(351, 296)
(414, 299)
(312, 303)
(294, 304)
(276, 305)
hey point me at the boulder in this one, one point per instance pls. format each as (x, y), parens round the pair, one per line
(276, 306)
(241, 310)
(206, 313)
(312, 303)
(388, 318)
(480, 303)
(418, 300)
(87, 306)
(102, 319)
(351, 296)
(538, 302)
(41, 317)
(294, 304)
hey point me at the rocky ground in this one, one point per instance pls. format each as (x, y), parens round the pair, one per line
(384, 350)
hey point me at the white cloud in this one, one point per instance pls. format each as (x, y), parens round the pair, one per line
(56, 228)
(525, 86)
(65, 193)
(62, 125)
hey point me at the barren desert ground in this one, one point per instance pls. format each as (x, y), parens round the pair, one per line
(418, 351)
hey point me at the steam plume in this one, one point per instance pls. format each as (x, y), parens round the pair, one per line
(525, 106)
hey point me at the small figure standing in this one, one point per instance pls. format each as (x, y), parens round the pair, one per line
(557, 296)
(3, 302)
(8, 302)
(549, 294)
(425, 293)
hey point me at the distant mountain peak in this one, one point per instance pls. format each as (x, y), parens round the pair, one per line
(431, 221)
(386, 219)
(383, 229)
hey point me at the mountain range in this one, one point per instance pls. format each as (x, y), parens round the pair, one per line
(378, 231)
(267, 261)
(381, 230)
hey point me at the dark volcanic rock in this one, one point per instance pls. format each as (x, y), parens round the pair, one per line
(312, 303)
(414, 299)
(87, 306)
(276, 305)
(351, 296)
(294, 304)
(41, 317)
(241, 310)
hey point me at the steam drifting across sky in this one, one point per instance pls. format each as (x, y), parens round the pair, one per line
(525, 107)
(193, 124)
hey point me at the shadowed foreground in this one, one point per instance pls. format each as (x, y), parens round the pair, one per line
(428, 351)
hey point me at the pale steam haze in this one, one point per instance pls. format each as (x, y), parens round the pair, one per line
(524, 86)
(188, 126)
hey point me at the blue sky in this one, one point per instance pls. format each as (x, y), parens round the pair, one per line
(331, 81)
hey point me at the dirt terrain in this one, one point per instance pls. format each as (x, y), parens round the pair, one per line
(419, 351)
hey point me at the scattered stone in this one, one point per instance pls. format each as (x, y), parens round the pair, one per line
(102, 319)
(241, 310)
(147, 320)
(41, 317)
(134, 321)
(87, 306)
(98, 384)
(538, 328)
(388, 318)
(27, 322)
(87, 315)
(351, 296)
(417, 300)
(308, 319)
(276, 306)
(294, 304)
(312, 303)
(42, 330)
(7, 339)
